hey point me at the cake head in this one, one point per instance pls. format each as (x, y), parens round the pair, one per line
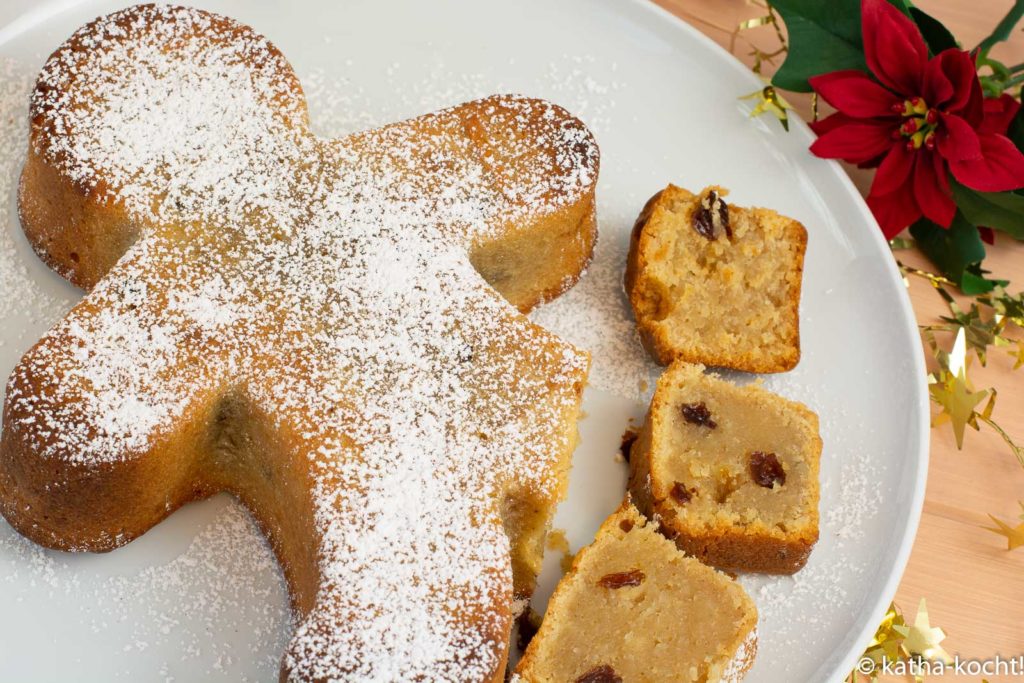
(327, 329)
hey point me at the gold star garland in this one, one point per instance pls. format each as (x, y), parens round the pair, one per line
(769, 100)
(982, 326)
(979, 328)
(1014, 535)
(895, 642)
(922, 639)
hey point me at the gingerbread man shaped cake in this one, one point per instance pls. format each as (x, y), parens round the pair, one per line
(331, 330)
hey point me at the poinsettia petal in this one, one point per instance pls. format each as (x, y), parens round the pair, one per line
(822, 126)
(873, 162)
(855, 94)
(894, 211)
(893, 46)
(999, 112)
(937, 89)
(957, 68)
(931, 189)
(1000, 168)
(854, 142)
(895, 171)
(988, 235)
(941, 173)
(957, 141)
(974, 110)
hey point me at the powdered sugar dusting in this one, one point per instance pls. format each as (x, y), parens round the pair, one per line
(741, 661)
(594, 314)
(19, 293)
(850, 503)
(323, 289)
(225, 579)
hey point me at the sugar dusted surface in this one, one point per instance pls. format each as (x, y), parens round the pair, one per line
(328, 285)
(189, 605)
(20, 294)
(643, 147)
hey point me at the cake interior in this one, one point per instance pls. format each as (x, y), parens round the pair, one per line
(636, 606)
(732, 296)
(739, 457)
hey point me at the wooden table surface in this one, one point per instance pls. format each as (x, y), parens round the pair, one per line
(974, 586)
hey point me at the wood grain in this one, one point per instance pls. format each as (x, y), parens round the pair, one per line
(974, 587)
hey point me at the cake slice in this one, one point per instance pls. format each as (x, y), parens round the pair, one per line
(730, 472)
(633, 609)
(716, 284)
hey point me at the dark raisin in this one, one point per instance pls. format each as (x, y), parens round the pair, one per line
(712, 217)
(681, 494)
(634, 577)
(529, 624)
(698, 414)
(723, 216)
(600, 674)
(702, 223)
(626, 445)
(766, 469)
(626, 525)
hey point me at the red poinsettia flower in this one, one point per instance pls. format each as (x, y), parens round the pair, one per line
(999, 112)
(917, 120)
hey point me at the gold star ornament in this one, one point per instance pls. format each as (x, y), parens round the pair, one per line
(770, 102)
(1014, 535)
(922, 639)
(950, 388)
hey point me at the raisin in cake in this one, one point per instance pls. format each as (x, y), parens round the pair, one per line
(330, 330)
(730, 472)
(634, 609)
(716, 284)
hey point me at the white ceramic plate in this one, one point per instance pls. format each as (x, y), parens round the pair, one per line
(199, 598)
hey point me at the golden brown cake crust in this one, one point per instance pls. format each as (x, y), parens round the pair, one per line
(652, 300)
(739, 552)
(306, 324)
(729, 546)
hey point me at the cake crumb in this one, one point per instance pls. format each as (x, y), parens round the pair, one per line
(559, 542)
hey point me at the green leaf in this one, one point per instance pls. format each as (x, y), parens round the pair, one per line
(954, 251)
(902, 5)
(974, 281)
(823, 37)
(1004, 27)
(997, 210)
(935, 34)
(1016, 130)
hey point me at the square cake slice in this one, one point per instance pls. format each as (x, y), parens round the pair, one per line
(634, 609)
(716, 284)
(730, 472)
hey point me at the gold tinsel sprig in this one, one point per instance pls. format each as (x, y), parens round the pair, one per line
(993, 320)
(768, 99)
(895, 641)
